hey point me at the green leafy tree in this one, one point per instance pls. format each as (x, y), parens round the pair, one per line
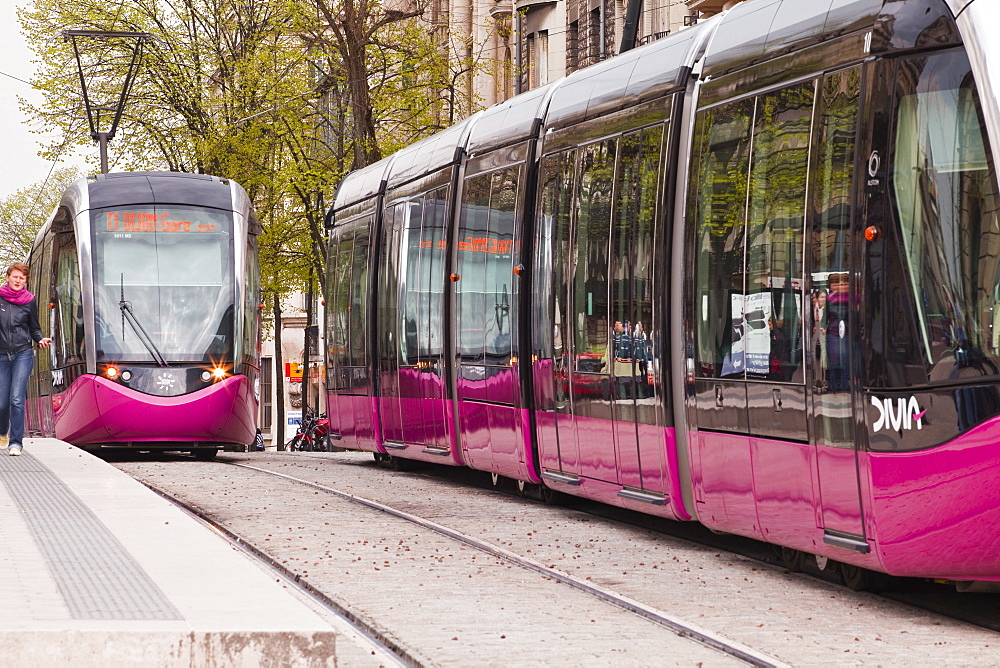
(24, 212)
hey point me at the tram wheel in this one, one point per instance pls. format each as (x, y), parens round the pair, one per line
(791, 559)
(205, 454)
(857, 578)
(398, 463)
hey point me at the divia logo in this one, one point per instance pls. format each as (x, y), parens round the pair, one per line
(897, 414)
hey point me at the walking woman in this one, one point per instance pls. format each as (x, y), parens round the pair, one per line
(18, 329)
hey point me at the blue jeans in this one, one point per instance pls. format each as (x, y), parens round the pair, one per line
(14, 371)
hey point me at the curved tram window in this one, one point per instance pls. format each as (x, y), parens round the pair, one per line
(173, 267)
(944, 187)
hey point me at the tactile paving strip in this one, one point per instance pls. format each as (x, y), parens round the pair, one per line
(97, 577)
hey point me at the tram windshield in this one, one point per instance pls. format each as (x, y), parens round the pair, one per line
(945, 192)
(163, 284)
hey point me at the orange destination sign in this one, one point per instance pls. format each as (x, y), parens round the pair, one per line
(143, 221)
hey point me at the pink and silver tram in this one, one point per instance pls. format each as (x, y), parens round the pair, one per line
(148, 284)
(747, 275)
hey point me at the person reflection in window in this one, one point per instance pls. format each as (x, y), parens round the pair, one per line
(836, 332)
(819, 338)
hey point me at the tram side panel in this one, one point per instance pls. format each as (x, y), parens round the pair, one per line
(932, 268)
(768, 213)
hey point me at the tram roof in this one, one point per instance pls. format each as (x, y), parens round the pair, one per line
(429, 155)
(512, 121)
(361, 184)
(118, 188)
(631, 78)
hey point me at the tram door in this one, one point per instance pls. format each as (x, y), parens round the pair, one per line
(592, 382)
(554, 423)
(410, 324)
(638, 438)
(485, 334)
(387, 327)
(832, 305)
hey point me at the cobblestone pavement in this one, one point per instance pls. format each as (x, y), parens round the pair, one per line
(454, 605)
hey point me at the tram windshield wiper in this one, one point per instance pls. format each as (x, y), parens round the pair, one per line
(144, 337)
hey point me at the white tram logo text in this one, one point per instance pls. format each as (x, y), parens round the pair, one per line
(898, 414)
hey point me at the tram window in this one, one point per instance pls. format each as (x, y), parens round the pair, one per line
(472, 234)
(410, 276)
(388, 292)
(358, 300)
(485, 252)
(339, 336)
(251, 312)
(432, 257)
(553, 251)
(499, 266)
(593, 227)
(718, 199)
(829, 316)
(945, 195)
(42, 277)
(632, 248)
(775, 223)
(170, 264)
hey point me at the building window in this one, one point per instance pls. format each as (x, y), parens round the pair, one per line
(542, 57)
(266, 392)
(573, 47)
(531, 65)
(594, 41)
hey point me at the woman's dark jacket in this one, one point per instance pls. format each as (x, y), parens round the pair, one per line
(18, 326)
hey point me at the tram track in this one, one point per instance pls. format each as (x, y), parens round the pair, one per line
(679, 626)
(297, 509)
(394, 648)
(982, 610)
(385, 645)
(979, 609)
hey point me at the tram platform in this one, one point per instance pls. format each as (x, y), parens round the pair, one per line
(98, 570)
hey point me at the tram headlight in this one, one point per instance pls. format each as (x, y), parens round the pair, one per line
(111, 372)
(126, 376)
(218, 373)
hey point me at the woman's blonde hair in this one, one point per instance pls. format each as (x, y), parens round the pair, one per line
(21, 267)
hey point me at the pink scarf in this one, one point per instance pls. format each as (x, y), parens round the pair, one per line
(21, 296)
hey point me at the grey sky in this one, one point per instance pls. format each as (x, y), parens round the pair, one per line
(20, 165)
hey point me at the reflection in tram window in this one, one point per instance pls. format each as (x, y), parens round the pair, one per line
(593, 223)
(774, 234)
(632, 249)
(552, 259)
(829, 242)
(947, 206)
(718, 202)
(485, 261)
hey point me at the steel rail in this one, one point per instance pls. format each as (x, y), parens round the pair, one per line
(380, 639)
(679, 626)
